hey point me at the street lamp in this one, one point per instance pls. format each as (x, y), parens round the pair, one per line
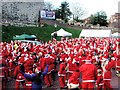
(55, 25)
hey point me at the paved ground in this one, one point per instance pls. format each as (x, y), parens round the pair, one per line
(115, 83)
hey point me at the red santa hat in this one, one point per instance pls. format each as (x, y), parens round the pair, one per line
(29, 71)
(20, 61)
(29, 63)
(38, 69)
(104, 58)
(88, 58)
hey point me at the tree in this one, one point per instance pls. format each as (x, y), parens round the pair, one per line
(77, 11)
(63, 11)
(58, 13)
(99, 18)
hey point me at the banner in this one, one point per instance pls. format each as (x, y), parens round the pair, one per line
(47, 14)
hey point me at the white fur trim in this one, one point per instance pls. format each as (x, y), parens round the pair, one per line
(113, 58)
(10, 60)
(20, 80)
(101, 84)
(69, 71)
(72, 86)
(106, 79)
(88, 81)
(2, 76)
(36, 70)
(61, 75)
(28, 84)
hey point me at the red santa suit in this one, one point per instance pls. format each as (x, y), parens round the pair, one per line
(6, 69)
(47, 77)
(118, 65)
(62, 75)
(11, 65)
(28, 64)
(74, 82)
(115, 63)
(20, 79)
(70, 68)
(107, 75)
(99, 82)
(3, 77)
(89, 74)
(28, 82)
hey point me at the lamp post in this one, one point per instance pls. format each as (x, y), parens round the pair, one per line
(39, 17)
(55, 25)
(55, 33)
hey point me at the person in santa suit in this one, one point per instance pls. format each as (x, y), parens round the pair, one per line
(107, 74)
(12, 66)
(28, 82)
(54, 65)
(74, 82)
(62, 74)
(6, 68)
(36, 77)
(3, 75)
(70, 66)
(99, 82)
(28, 64)
(118, 66)
(117, 61)
(20, 79)
(89, 74)
(47, 78)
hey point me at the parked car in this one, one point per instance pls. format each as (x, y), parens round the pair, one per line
(30, 41)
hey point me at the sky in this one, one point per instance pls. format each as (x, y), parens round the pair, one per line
(92, 6)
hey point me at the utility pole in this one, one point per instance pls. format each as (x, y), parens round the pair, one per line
(39, 17)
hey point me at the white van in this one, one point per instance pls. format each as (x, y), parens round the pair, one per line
(30, 41)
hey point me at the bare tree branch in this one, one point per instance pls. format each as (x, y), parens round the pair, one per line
(77, 10)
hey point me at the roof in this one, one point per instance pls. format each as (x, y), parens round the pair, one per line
(23, 36)
(62, 32)
(117, 34)
(95, 33)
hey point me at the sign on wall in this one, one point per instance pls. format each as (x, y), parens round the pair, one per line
(47, 14)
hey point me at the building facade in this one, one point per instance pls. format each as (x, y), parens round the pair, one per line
(115, 21)
(28, 12)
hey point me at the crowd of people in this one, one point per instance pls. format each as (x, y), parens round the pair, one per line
(80, 63)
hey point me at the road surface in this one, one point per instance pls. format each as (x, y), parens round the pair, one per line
(115, 83)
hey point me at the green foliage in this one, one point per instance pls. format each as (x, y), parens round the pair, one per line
(99, 18)
(42, 33)
(63, 12)
(57, 13)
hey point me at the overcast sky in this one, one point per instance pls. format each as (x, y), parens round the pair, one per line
(92, 6)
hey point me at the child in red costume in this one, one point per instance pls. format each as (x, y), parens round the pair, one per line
(99, 82)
